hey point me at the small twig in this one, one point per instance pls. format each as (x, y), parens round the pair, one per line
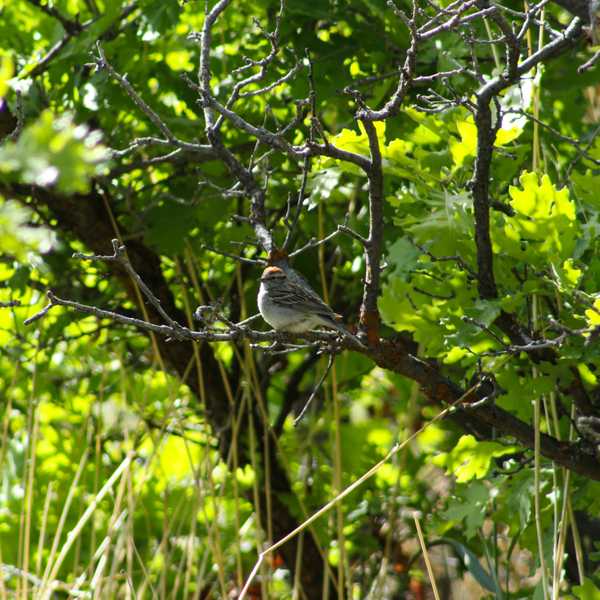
(582, 148)
(10, 304)
(237, 257)
(455, 258)
(534, 345)
(264, 64)
(315, 390)
(278, 349)
(139, 143)
(456, 20)
(291, 225)
(248, 320)
(103, 64)
(487, 330)
(354, 234)
(235, 333)
(314, 243)
(589, 64)
(70, 26)
(267, 88)
(306, 162)
(407, 72)
(424, 79)
(507, 209)
(41, 66)
(120, 256)
(450, 296)
(43, 312)
(20, 114)
(583, 152)
(72, 31)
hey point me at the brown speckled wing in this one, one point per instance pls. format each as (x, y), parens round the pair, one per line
(295, 296)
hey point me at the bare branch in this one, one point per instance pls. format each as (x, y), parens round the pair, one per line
(486, 133)
(70, 26)
(374, 244)
(299, 202)
(72, 30)
(45, 61)
(179, 332)
(10, 304)
(236, 257)
(315, 390)
(20, 114)
(314, 243)
(102, 63)
(120, 256)
(455, 258)
(586, 66)
(407, 73)
(281, 80)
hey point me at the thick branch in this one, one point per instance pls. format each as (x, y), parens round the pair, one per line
(486, 135)
(373, 245)
(393, 355)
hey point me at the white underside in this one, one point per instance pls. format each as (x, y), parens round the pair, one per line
(286, 319)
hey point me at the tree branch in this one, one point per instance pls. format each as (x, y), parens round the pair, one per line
(369, 313)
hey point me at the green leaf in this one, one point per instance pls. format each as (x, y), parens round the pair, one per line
(471, 563)
(471, 459)
(350, 140)
(403, 256)
(18, 237)
(323, 183)
(467, 146)
(398, 311)
(585, 186)
(469, 508)
(521, 391)
(567, 275)
(520, 496)
(543, 228)
(586, 374)
(587, 591)
(6, 72)
(53, 151)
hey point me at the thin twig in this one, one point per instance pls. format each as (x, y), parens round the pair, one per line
(10, 304)
(209, 334)
(103, 64)
(589, 63)
(315, 390)
(120, 256)
(70, 26)
(236, 257)
(20, 114)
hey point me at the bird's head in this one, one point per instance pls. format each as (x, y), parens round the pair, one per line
(273, 274)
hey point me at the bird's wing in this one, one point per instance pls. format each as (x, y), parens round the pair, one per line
(310, 302)
(299, 279)
(307, 301)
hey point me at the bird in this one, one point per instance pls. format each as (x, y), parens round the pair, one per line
(287, 303)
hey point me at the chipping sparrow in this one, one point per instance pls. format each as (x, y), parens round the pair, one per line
(287, 303)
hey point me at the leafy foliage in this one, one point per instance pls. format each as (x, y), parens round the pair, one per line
(219, 470)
